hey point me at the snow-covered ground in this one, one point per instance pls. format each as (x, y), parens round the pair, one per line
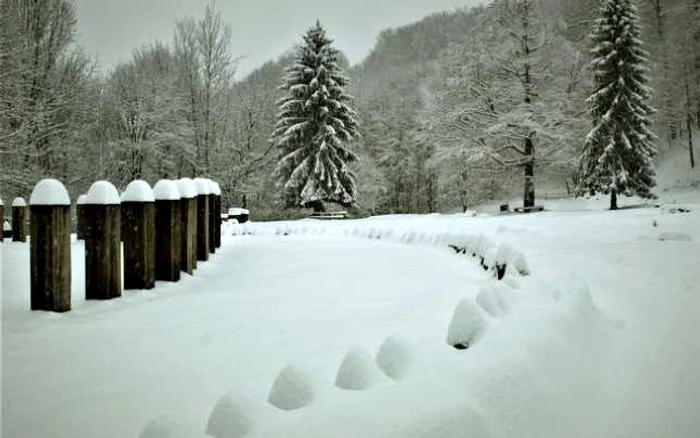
(335, 329)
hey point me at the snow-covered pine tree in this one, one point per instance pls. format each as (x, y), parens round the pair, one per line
(618, 152)
(315, 119)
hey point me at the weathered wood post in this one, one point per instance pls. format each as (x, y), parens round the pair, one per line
(188, 225)
(217, 214)
(19, 220)
(50, 262)
(80, 217)
(168, 231)
(2, 219)
(103, 253)
(203, 190)
(139, 236)
(212, 217)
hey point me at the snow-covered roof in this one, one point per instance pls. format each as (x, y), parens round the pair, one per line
(166, 190)
(81, 199)
(19, 202)
(138, 191)
(216, 189)
(203, 186)
(103, 193)
(187, 188)
(49, 191)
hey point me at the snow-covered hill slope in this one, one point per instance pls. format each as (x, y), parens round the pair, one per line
(336, 329)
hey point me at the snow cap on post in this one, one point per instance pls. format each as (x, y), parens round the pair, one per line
(19, 202)
(103, 193)
(138, 191)
(166, 190)
(187, 188)
(203, 186)
(81, 199)
(216, 189)
(49, 191)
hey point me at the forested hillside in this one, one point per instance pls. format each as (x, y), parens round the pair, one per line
(458, 108)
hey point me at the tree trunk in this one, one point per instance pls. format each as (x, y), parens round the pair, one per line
(689, 126)
(529, 192)
(613, 200)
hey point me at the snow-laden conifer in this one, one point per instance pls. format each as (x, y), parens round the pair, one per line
(314, 122)
(618, 152)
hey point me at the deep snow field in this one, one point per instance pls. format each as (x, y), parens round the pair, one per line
(599, 340)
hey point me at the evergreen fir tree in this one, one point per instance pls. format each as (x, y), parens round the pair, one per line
(618, 152)
(315, 119)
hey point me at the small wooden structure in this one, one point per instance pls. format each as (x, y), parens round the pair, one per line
(139, 236)
(533, 209)
(19, 220)
(188, 225)
(49, 247)
(80, 217)
(203, 191)
(103, 271)
(168, 232)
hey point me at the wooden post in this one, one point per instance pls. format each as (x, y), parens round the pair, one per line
(103, 270)
(168, 232)
(19, 220)
(188, 225)
(212, 217)
(2, 219)
(80, 217)
(217, 215)
(50, 262)
(203, 190)
(138, 235)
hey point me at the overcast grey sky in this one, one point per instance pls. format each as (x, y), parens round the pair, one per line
(262, 29)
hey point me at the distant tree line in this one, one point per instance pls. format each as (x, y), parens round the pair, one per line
(460, 107)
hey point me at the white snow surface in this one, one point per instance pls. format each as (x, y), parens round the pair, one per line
(600, 339)
(81, 199)
(138, 191)
(49, 191)
(19, 202)
(187, 188)
(166, 190)
(102, 193)
(203, 186)
(216, 189)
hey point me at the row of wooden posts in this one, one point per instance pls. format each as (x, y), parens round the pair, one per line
(164, 231)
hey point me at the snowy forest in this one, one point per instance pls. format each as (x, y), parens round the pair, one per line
(438, 104)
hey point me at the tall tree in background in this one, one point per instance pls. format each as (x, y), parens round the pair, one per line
(618, 153)
(314, 120)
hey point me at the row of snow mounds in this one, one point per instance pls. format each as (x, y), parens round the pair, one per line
(237, 415)
(496, 258)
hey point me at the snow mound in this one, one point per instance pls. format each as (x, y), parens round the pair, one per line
(81, 199)
(357, 370)
(187, 188)
(169, 427)
(520, 263)
(292, 389)
(202, 185)
(486, 299)
(166, 190)
(216, 188)
(490, 258)
(232, 417)
(19, 202)
(49, 191)
(138, 191)
(467, 326)
(675, 237)
(103, 193)
(511, 280)
(394, 357)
